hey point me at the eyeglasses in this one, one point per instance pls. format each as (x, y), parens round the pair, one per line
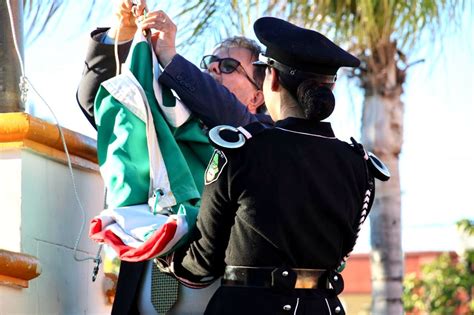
(226, 65)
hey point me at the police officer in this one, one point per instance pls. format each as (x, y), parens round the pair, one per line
(283, 205)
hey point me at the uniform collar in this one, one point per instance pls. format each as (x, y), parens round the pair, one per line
(305, 125)
(265, 119)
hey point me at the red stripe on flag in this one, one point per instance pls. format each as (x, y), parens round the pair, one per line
(151, 248)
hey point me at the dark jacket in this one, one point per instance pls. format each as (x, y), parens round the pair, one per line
(291, 196)
(209, 100)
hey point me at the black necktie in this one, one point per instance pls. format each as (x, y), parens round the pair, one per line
(164, 290)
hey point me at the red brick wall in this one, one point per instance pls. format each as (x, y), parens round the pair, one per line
(357, 272)
(357, 275)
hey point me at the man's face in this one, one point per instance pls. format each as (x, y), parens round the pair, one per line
(237, 82)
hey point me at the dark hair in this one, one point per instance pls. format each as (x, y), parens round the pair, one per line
(315, 98)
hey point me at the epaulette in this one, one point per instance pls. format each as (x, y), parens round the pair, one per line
(376, 167)
(228, 137)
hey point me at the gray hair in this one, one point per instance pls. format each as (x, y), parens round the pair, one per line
(253, 47)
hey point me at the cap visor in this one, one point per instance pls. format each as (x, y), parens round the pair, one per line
(259, 63)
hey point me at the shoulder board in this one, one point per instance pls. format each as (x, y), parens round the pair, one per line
(228, 137)
(376, 167)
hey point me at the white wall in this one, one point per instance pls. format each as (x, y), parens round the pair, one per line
(39, 215)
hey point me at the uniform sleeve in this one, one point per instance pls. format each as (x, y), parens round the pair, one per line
(206, 254)
(99, 66)
(209, 100)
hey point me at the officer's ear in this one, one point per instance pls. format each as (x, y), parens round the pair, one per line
(275, 83)
(256, 100)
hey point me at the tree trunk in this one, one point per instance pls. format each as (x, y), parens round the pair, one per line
(382, 134)
(10, 71)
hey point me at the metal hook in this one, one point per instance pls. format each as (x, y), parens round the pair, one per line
(96, 269)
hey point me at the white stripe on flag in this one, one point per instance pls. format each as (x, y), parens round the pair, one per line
(176, 115)
(135, 224)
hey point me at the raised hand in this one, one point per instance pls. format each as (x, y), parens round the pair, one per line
(163, 34)
(126, 13)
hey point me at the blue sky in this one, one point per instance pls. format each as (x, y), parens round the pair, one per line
(436, 164)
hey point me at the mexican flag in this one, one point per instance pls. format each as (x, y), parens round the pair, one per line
(152, 155)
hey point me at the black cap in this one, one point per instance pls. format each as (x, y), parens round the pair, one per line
(294, 49)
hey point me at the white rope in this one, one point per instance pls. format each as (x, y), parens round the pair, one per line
(15, 42)
(25, 80)
(363, 216)
(117, 60)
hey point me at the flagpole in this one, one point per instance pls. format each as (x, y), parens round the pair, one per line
(10, 68)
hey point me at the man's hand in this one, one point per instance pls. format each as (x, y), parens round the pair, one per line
(165, 264)
(126, 19)
(163, 37)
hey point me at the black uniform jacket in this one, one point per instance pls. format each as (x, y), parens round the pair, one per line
(292, 195)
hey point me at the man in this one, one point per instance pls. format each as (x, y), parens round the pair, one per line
(235, 101)
(229, 93)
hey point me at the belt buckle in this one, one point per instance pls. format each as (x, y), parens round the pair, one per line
(306, 279)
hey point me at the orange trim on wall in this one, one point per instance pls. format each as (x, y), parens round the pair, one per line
(20, 130)
(13, 282)
(16, 269)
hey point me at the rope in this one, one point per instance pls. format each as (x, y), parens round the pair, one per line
(116, 41)
(363, 216)
(24, 83)
(15, 42)
(117, 60)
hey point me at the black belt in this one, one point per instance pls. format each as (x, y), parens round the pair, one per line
(282, 277)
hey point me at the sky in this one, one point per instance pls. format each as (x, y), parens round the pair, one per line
(437, 159)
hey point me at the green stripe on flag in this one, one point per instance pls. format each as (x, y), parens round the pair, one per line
(123, 152)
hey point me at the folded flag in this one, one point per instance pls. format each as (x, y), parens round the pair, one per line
(152, 155)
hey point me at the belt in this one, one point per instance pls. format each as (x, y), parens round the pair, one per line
(296, 278)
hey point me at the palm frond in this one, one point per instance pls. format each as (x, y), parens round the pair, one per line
(358, 25)
(201, 20)
(363, 24)
(39, 14)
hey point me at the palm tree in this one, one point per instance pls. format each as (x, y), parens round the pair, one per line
(378, 32)
(381, 33)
